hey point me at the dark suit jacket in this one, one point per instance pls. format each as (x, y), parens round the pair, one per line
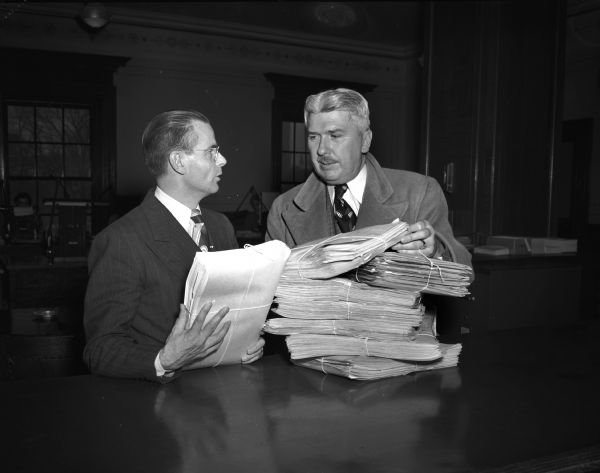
(137, 271)
(304, 213)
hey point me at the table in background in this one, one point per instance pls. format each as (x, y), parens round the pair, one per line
(516, 396)
(29, 280)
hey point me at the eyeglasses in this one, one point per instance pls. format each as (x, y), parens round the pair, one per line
(214, 152)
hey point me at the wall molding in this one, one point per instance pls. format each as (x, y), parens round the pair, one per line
(44, 27)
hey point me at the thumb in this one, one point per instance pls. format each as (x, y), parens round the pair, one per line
(182, 319)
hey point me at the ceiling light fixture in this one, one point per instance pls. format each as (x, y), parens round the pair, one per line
(94, 15)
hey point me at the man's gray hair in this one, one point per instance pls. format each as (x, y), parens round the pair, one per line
(342, 100)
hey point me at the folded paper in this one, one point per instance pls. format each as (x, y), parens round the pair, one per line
(244, 280)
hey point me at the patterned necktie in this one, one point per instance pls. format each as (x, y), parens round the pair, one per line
(199, 231)
(344, 215)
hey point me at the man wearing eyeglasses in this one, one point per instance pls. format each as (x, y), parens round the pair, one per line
(134, 321)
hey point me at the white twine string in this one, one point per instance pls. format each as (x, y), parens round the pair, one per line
(323, 366)
(349, 284)
(431, 266)
(317, 245)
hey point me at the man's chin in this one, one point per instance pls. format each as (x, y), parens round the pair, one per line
(328, 176)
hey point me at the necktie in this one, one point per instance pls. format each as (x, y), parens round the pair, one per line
(344, 215)
(199, 231)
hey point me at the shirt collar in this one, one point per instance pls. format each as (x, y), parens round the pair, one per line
(356, 190)
(182, 213)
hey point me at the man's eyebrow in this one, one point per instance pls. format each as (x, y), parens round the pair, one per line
(330, 130)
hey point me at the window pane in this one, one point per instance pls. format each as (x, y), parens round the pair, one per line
(77, 161)
(309, 166)
(77, 125)
(21, 159)
(300, 143)
(50, 160)
(287, 167)
(287, 136)
(299, 167)
(46, 189)
(49, 124)
(20, 123)
(79, 190)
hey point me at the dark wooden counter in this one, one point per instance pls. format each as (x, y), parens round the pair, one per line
(516, 396)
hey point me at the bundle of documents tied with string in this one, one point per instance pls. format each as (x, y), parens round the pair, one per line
(244, 280)
(343, 315)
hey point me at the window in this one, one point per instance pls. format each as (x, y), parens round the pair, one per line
(58, 134)
(295, 159)
(47, 154)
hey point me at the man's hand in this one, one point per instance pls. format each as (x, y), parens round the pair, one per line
(255, 352)
(419, 239)
(185, 345)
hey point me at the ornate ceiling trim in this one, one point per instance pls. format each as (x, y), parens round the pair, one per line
(223, 29)
(136, 41)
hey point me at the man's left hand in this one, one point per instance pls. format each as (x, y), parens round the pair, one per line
(420, 239)
(255, 352)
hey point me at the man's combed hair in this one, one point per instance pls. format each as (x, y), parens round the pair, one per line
(167, 132)
(339, 100)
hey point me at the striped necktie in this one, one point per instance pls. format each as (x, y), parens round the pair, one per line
(199, 234)
(344, 215)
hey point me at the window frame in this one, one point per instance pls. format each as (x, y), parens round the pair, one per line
(69, 78)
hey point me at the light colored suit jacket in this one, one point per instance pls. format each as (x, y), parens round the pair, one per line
(304, 213)
(137, 271)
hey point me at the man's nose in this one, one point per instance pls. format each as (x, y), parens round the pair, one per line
(323, 146)
(221, 161)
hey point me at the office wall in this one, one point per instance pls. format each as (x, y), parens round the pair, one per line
(223, 77)
(239, 109)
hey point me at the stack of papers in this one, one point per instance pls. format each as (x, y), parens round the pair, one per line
(423, 346)
(343, 298)
(418, 273)
(549, 246)
(373, 329)
(343, 315)
(340, 253)
(244, 280)
(370, 367)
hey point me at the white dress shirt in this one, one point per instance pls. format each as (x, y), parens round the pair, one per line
(356, 189)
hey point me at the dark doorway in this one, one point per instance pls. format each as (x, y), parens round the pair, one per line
(570, 187)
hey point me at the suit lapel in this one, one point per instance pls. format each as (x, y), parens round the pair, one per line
(311, 215)
(169, 241)
(379, 203)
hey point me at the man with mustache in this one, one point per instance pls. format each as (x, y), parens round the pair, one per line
(135, 324)
(349, 190)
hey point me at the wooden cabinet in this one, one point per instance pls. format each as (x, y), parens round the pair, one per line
(533, 291)
(493, 82)
(515, 292)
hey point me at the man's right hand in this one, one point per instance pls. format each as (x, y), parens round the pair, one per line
(185, 345)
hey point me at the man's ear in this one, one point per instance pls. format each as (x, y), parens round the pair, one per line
(176, 162)
(366, 141)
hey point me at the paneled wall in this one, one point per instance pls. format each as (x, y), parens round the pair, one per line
(493, 112)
